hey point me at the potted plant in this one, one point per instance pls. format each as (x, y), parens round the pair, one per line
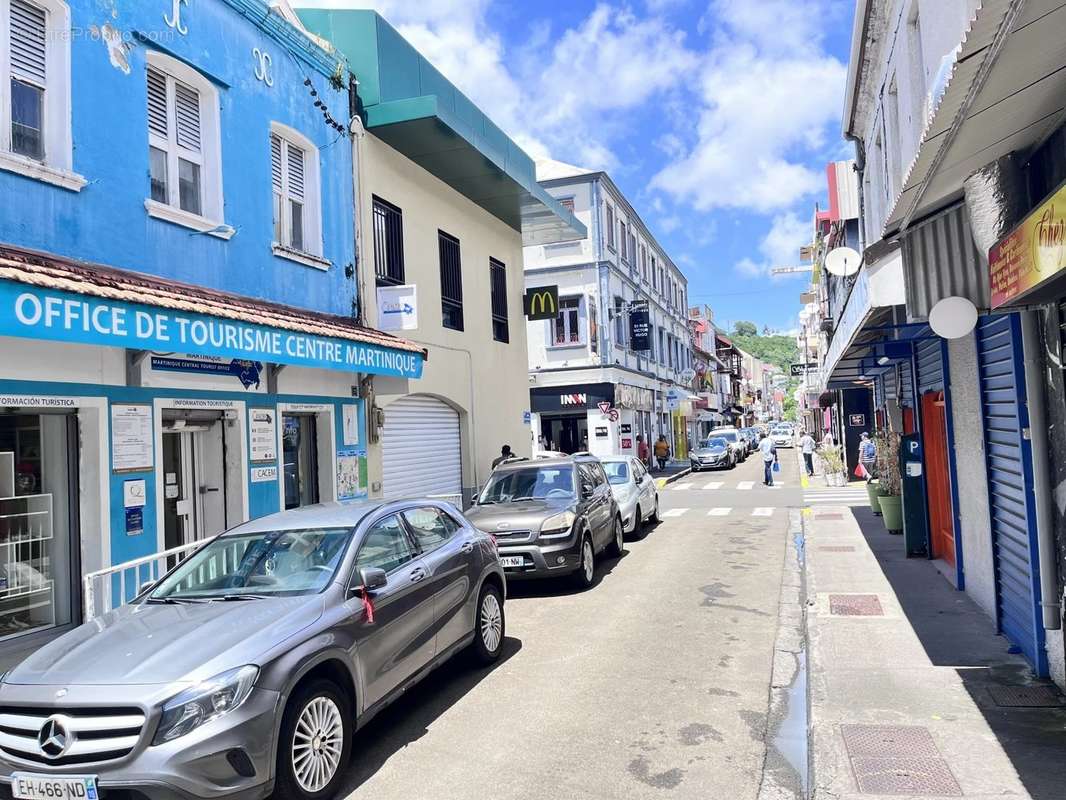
(889, 484)
(834, 466)
(873, 491)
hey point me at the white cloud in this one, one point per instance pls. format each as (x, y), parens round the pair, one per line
(769, 97)
(779, 247)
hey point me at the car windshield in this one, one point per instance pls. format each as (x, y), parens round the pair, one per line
(264, 563)
(617, 471)
(529, 483)
(729, 436)
(713, 442)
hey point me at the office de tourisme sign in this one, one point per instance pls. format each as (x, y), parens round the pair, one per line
(33, 313)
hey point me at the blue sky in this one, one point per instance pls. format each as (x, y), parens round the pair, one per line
(715, 117)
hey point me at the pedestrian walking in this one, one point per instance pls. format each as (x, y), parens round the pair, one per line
(643, 451)
(505, 454)
(662, 452)
(806, 444)
(769, 458)
(867, 455)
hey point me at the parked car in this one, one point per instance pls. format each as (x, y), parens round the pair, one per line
(549, 454)
(751, 436)
(782, 436)
(251, 665)
(736, 442)
(550, 517)
(634, 490)
(712, 453)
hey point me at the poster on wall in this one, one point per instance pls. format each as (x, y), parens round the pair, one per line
(351, 475)
(131, 438)
(263, 434)
(351, 425)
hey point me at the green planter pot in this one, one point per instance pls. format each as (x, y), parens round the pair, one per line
(892, 512)
(873, 490)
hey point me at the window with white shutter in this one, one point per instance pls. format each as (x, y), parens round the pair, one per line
(294, 184)
(184, 162)
(35, 91)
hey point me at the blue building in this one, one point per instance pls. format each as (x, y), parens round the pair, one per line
(178, 305)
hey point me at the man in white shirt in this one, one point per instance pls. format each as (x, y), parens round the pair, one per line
(769, 457)
(806, 444)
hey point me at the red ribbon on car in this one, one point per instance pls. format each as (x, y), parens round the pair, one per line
(368, 607)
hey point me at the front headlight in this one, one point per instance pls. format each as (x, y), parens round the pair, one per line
(558, 526)
(204, 702)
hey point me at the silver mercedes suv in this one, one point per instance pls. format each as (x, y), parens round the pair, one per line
(248, 668)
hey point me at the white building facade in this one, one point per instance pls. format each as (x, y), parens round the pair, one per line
(591, 388)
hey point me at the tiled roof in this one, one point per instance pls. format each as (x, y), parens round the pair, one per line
(52, 272)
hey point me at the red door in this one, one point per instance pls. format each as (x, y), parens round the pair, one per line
(937, 477)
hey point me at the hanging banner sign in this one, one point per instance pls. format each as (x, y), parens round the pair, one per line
(541, 302)
(640, 329)
(32, 313)
(1031, 254)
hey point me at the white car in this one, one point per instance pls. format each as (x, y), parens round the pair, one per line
(737, 443)
(634, 490)
(782, 437)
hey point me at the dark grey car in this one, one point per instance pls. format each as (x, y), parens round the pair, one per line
(249, 667)
(550, 517)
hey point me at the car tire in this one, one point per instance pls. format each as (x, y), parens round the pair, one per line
(490, 626)
(617, 546)
(324, 706)
(655, 519)
(586, 570)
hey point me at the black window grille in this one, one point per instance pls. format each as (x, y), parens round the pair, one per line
(388, 243)
(498, 285)
(451, 282)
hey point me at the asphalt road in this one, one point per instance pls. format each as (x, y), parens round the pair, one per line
(652, 684)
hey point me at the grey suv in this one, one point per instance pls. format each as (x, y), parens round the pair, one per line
(249, 667)
(550, 517)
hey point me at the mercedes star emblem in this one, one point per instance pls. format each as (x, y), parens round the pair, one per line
(53, 738)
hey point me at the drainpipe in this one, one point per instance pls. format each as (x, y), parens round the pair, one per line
(860, 168)
(1037, 435)
(355, 127)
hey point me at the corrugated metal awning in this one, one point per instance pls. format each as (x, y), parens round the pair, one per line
(1007, 91)
(940, 260)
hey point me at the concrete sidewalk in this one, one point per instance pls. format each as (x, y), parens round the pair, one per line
(912, 693)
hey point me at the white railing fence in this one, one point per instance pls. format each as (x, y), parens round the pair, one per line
(107, 589)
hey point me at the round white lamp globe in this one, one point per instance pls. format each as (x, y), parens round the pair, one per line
(953, 317)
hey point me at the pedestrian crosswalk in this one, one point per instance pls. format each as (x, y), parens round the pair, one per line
(724, 512)
(689, 486)
(836, 496)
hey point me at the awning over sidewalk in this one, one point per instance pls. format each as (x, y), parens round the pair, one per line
(44, 297)
(1007, 92)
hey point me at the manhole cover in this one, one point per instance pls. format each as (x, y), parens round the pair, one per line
(830, 516)
(855, 605)
(906, 776)
(1027, 696)
(886, 741)
(837, 548)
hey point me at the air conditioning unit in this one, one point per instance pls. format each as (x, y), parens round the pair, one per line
(827, 325)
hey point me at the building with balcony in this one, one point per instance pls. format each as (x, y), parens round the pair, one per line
(611, 365)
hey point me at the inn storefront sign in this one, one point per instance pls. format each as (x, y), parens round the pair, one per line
(34, 313)
(1024, 263)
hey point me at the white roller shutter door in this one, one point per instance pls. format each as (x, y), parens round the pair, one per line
(420, 449)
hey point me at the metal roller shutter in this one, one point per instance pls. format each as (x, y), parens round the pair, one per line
(1008, 457)
(421, 451)
(906, 385)
(928, 355)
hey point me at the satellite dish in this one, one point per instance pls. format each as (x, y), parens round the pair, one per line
(843, 261)
(953, 317)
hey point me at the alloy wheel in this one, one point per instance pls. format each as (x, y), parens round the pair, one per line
(588, 562)
(619, 536)
(317, 744)
(491, 622)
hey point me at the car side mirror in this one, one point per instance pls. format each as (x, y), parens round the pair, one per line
(473, 499)
(373, 578)
(147, 586)
(587, 490)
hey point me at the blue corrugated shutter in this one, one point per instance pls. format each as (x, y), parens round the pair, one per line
(1008, 457)
(930, 365)
(879, 391)
(906, 385)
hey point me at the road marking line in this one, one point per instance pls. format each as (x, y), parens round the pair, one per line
(712, 486)
(674, 512)
(762, 512)
(719, 512)
(745, 485)
(681, 487)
